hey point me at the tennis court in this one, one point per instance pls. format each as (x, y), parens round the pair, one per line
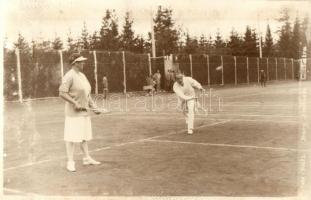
(255, 144)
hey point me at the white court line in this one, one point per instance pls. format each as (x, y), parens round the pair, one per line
(234, 146)
(109, 147)
(18, 192)
(207, 117)
(214, 114)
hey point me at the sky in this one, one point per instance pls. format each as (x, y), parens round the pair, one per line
(45, 19)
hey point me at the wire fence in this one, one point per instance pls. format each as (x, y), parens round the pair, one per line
(39, 74)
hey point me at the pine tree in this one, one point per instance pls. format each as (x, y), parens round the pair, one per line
(70, 43)
(94, 41)
(202, 44)
(296, 47)
(219, 43)
(284, 43)
(249, 44)
(109, 35)
(57, 43)
(166, 35)
(85, 40)
(268, 44)
(191, 45)
(127, 36)
(22, 44)
(235, 43)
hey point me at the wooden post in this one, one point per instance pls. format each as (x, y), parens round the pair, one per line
(293, 75)
(235, 72)
(19, 76)
(284, 60)
(276, 69)
(190, 60)
(222, 71)
(267, 68)
(61, 63)
(208, 71)
(247, 70)
(95, 72)
(124, 72)
(258, 70)
(149, 62)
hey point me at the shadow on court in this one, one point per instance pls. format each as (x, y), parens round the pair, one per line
(253, 147)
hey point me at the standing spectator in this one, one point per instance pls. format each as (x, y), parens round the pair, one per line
(157, 79)
(262, 77)
(75, 90)
(105, 86)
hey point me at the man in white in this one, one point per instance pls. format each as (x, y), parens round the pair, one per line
(184, 89)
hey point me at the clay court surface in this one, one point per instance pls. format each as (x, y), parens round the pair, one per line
(256, 145)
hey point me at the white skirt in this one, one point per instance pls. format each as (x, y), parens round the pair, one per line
(78, 129)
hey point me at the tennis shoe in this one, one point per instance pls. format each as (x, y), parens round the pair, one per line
(190, 131)
(71, 166)
(90, 161)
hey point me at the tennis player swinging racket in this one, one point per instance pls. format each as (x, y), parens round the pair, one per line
(184, 88)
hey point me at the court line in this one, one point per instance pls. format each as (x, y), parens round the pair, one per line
(18, 192)
(202, 116)
(234, 146)
(109, 147)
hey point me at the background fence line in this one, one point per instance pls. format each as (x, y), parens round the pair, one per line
(39, 75)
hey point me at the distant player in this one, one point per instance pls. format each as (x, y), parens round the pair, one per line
(105, 86)
(184, 87)
(157, 79)
(262, 77)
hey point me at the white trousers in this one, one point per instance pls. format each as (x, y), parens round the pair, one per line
(189, 114)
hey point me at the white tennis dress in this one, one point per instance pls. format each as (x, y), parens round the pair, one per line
(77, 124)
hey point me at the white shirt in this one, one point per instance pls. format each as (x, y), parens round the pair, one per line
(187, 90)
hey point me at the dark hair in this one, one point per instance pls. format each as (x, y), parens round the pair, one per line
(73, 56)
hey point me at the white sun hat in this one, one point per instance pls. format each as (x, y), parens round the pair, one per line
(79, 59)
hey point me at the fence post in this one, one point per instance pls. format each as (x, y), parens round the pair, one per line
(293, 76)
(149, 62)
(285, 68)
(258, 70)
(95, 72)
(19, 76)
(276, 69)
(267, 68)
(247, 70)
(124, 72)
(222, 71)
(61, 64)
(208, 71)
(235, 72)
(190, 60)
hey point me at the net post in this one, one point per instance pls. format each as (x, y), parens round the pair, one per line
(19, 76)
(258, 70)
(210, 100)
(95, 72)
(149, 64)
(284, 62)
(235, 71)
(267, 68)
(190, 60)
(61, 63)
(222, 70)
(247, 70)
(276, 69)
(293, 76)
(208, 71)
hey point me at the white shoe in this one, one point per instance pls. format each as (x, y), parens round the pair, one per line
(190, 131)
(90, 161)
(71, 166)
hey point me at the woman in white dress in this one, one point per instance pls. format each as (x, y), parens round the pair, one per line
(75, 90)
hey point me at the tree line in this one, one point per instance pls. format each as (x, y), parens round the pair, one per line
(169, 38)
